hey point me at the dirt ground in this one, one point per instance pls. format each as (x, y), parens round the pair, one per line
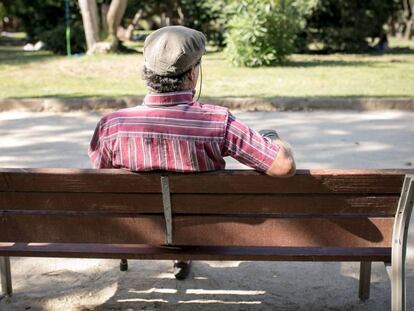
(320, 140)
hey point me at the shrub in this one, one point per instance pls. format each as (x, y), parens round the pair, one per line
(262, 33)
(347, 25)
(55, 39)
(45, 20)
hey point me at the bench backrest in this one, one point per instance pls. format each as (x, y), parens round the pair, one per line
(318, 208)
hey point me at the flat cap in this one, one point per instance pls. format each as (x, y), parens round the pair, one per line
(172, 50)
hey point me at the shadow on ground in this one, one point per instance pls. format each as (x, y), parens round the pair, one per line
(16, 56)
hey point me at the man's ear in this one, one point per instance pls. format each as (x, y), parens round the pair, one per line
(192, 75)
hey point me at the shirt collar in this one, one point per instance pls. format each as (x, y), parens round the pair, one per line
(168, 99)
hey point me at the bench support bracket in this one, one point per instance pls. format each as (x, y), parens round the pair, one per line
(399, 245)
(5, 276)
(166, 201)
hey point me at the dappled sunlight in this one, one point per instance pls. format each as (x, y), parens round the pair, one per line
(224, 264)
(142, 300)
(154, 290)
(165, 276)
(224, 292)
(200, 301)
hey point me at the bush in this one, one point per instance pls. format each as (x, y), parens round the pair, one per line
(45, 20)
(347, 25)
(262, 33)
(204, 16)
(55, 39)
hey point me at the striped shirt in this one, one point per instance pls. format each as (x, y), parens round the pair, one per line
(170, 131)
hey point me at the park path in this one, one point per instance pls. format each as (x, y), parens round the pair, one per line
(321, 139)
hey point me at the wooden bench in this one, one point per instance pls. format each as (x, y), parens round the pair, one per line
(317, 215)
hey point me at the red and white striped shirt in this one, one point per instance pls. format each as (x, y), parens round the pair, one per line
(170, 131)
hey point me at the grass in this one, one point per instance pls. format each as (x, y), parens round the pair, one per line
(41, 74)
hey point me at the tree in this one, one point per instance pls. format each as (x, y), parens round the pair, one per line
(91, 23)
(408, 14)
(89, 11)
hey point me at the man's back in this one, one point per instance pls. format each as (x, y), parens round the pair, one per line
(167, 132)
(172, 132)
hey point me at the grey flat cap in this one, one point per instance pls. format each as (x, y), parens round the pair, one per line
(172, 50)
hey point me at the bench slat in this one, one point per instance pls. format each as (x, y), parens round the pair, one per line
(55, 180)
(72, 201)
(285, 204)
(316, 232)
(112, 180)
(194, 230)
(209, 183)
(133, 251)
(86, 229)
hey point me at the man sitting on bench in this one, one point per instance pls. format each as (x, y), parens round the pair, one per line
(172, 131)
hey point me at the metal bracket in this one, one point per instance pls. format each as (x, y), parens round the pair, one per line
(166, 201)
(399, 245)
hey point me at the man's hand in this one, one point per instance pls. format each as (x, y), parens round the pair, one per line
(284, 164)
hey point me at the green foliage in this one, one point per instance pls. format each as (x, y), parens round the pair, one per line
(45, 20)
(262, 33)
(346, 25)
(202, 15)
(55, 38)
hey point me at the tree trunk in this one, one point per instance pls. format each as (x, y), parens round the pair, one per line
(409, 18)
(129, 31)
(181, 16)
(409, 25)
(89, 11)
(114, 18)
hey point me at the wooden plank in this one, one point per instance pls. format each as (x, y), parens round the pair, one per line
(70, 201)
(285, 204)
(134, 251)
(201, 203)
(289, 232)
(87, 229)
(78, 180)
(206, 183)
(242, 181)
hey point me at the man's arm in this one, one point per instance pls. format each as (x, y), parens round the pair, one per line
(269, 154)
(98, 151)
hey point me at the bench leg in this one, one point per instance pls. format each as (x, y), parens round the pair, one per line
(399, 245)
(5, 276)
(364, 280)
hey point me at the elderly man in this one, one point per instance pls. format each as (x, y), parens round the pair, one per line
(172, 131)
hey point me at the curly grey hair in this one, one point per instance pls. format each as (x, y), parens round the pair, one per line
(163, 84)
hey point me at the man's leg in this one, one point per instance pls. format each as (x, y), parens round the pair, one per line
(181, 269)
(123, 265)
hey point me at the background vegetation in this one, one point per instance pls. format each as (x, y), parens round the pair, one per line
(256, 33)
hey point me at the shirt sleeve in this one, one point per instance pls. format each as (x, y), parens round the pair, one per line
(248, 146)
(98, 150)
